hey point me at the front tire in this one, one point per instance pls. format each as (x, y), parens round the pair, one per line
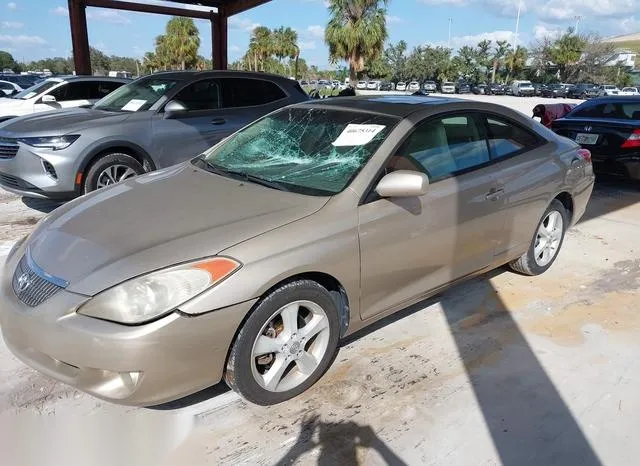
(546, 242)
(110, 169)
(286, 344)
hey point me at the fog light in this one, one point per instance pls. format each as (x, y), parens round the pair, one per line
(49, 170)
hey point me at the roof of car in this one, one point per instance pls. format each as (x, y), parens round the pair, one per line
(217, 73)
(620, 99)
(87, 78)
(395, 105)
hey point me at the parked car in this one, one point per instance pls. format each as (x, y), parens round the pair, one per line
(537, 89)
(583, 91)
(361, 85)
(387, 86)
(154, 122)
(58, 93)
(522, 89)
(610, 128)
(324, 84)
(462, 87)
(304, 83)
(480, 89)
(8, 88)
(401, 86)
(496, 89)
(253, 268)
(448, 87)
(629, 91)
(413, 86)
(554, 91)
(373, 85)
(608, 90)
(336, 84)
(22, 80)
(429, 87)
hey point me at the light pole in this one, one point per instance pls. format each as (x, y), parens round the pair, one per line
(449, 40)
(515, 37)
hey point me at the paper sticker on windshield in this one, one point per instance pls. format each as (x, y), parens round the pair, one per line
(357, 135)
(134, 105)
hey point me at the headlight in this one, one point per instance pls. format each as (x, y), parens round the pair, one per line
(150, 296)
(51, 142)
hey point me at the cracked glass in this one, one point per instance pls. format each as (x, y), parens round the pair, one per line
(314, 151)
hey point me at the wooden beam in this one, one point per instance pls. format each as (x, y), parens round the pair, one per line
(79, 37)
(143, 8)
(234, 7)
(219, 29)
(203, 3)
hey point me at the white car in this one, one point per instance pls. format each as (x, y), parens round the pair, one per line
(401, 86)
(608, 90)
(361, 85)
(629, 91)
(522, 88)
(429, 86)
(7, 88)
(57, 93)
(373, 85)
(448, 87)
(324, 84)
(414, 86)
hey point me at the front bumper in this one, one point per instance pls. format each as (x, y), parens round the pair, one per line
(133, 365)
(25, 173)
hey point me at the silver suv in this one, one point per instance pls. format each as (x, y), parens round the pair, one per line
(153, 122)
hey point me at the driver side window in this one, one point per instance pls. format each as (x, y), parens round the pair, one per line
(201, 95)
(443, 147)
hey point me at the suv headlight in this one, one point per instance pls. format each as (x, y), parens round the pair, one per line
(51, 142)
(158, 293)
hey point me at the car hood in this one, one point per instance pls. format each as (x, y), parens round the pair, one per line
(163, 218)
(59, 122)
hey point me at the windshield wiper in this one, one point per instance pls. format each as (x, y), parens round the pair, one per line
(218, 170)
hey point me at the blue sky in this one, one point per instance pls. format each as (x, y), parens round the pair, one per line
(32, 29)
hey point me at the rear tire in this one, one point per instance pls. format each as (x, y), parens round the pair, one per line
(286, 344)
(110, 169)
(546, 243)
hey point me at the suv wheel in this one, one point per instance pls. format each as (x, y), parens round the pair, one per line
(110, 169)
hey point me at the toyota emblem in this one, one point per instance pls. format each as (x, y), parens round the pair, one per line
(588, 129)
(24, 282)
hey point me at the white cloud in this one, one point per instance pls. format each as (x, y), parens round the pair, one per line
(11, 24)
(307, 45)
(567, 10)
(21, 40)
(460, 41)
(316, 31)
(628, 25)
(60, 11)
(242, 23)
(394, 19)
(12, 5)
(235, 48)
(540, 32)
(444, 2)
(107, 16)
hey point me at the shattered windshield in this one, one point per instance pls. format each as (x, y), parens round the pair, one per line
(313, 151)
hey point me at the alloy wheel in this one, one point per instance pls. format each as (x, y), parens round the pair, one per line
(290, 346)
(114, 174)
(548, 238)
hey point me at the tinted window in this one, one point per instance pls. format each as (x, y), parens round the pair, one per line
(81, 90)
(6, 86)
(103, 88)
(245, 92)
(617, 110)
(506, 138)
(201, 95)
(443, 147)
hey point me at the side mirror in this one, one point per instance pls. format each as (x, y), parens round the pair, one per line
(173, 108)
(48, 99)
(403, 183)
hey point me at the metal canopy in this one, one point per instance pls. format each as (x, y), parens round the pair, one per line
(219, 12)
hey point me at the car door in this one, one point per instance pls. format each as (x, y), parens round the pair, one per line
(525, 170)
(73, 94)
(411, 246)
(182, 135)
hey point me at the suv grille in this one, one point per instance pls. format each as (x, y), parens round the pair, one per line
(8, 148)
(32, 286)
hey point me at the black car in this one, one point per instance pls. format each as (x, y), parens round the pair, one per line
(386, 86)
(480, 89)
(537, 89)
(463, 87)
(610, 128)
(496, 89)
(554, 90)
(583, 91)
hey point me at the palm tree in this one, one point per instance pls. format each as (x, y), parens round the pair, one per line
(183, 40)
(285, 41)
(261, 45)
(150, 62)
(516, 61)
(502, 46)
(356, 32)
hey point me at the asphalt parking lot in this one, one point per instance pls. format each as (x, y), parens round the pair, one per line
(504, 369)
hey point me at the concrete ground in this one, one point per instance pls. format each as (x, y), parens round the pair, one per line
(504, 369)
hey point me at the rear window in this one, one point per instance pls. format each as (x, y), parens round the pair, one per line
(246, 92)
(616, 110)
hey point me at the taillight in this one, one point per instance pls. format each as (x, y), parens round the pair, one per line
(585, 154)
(633, 140)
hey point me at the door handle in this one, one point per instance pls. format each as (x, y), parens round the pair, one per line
(218, 121)
(494, 194)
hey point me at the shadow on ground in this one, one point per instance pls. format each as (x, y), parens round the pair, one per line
(41, 205)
